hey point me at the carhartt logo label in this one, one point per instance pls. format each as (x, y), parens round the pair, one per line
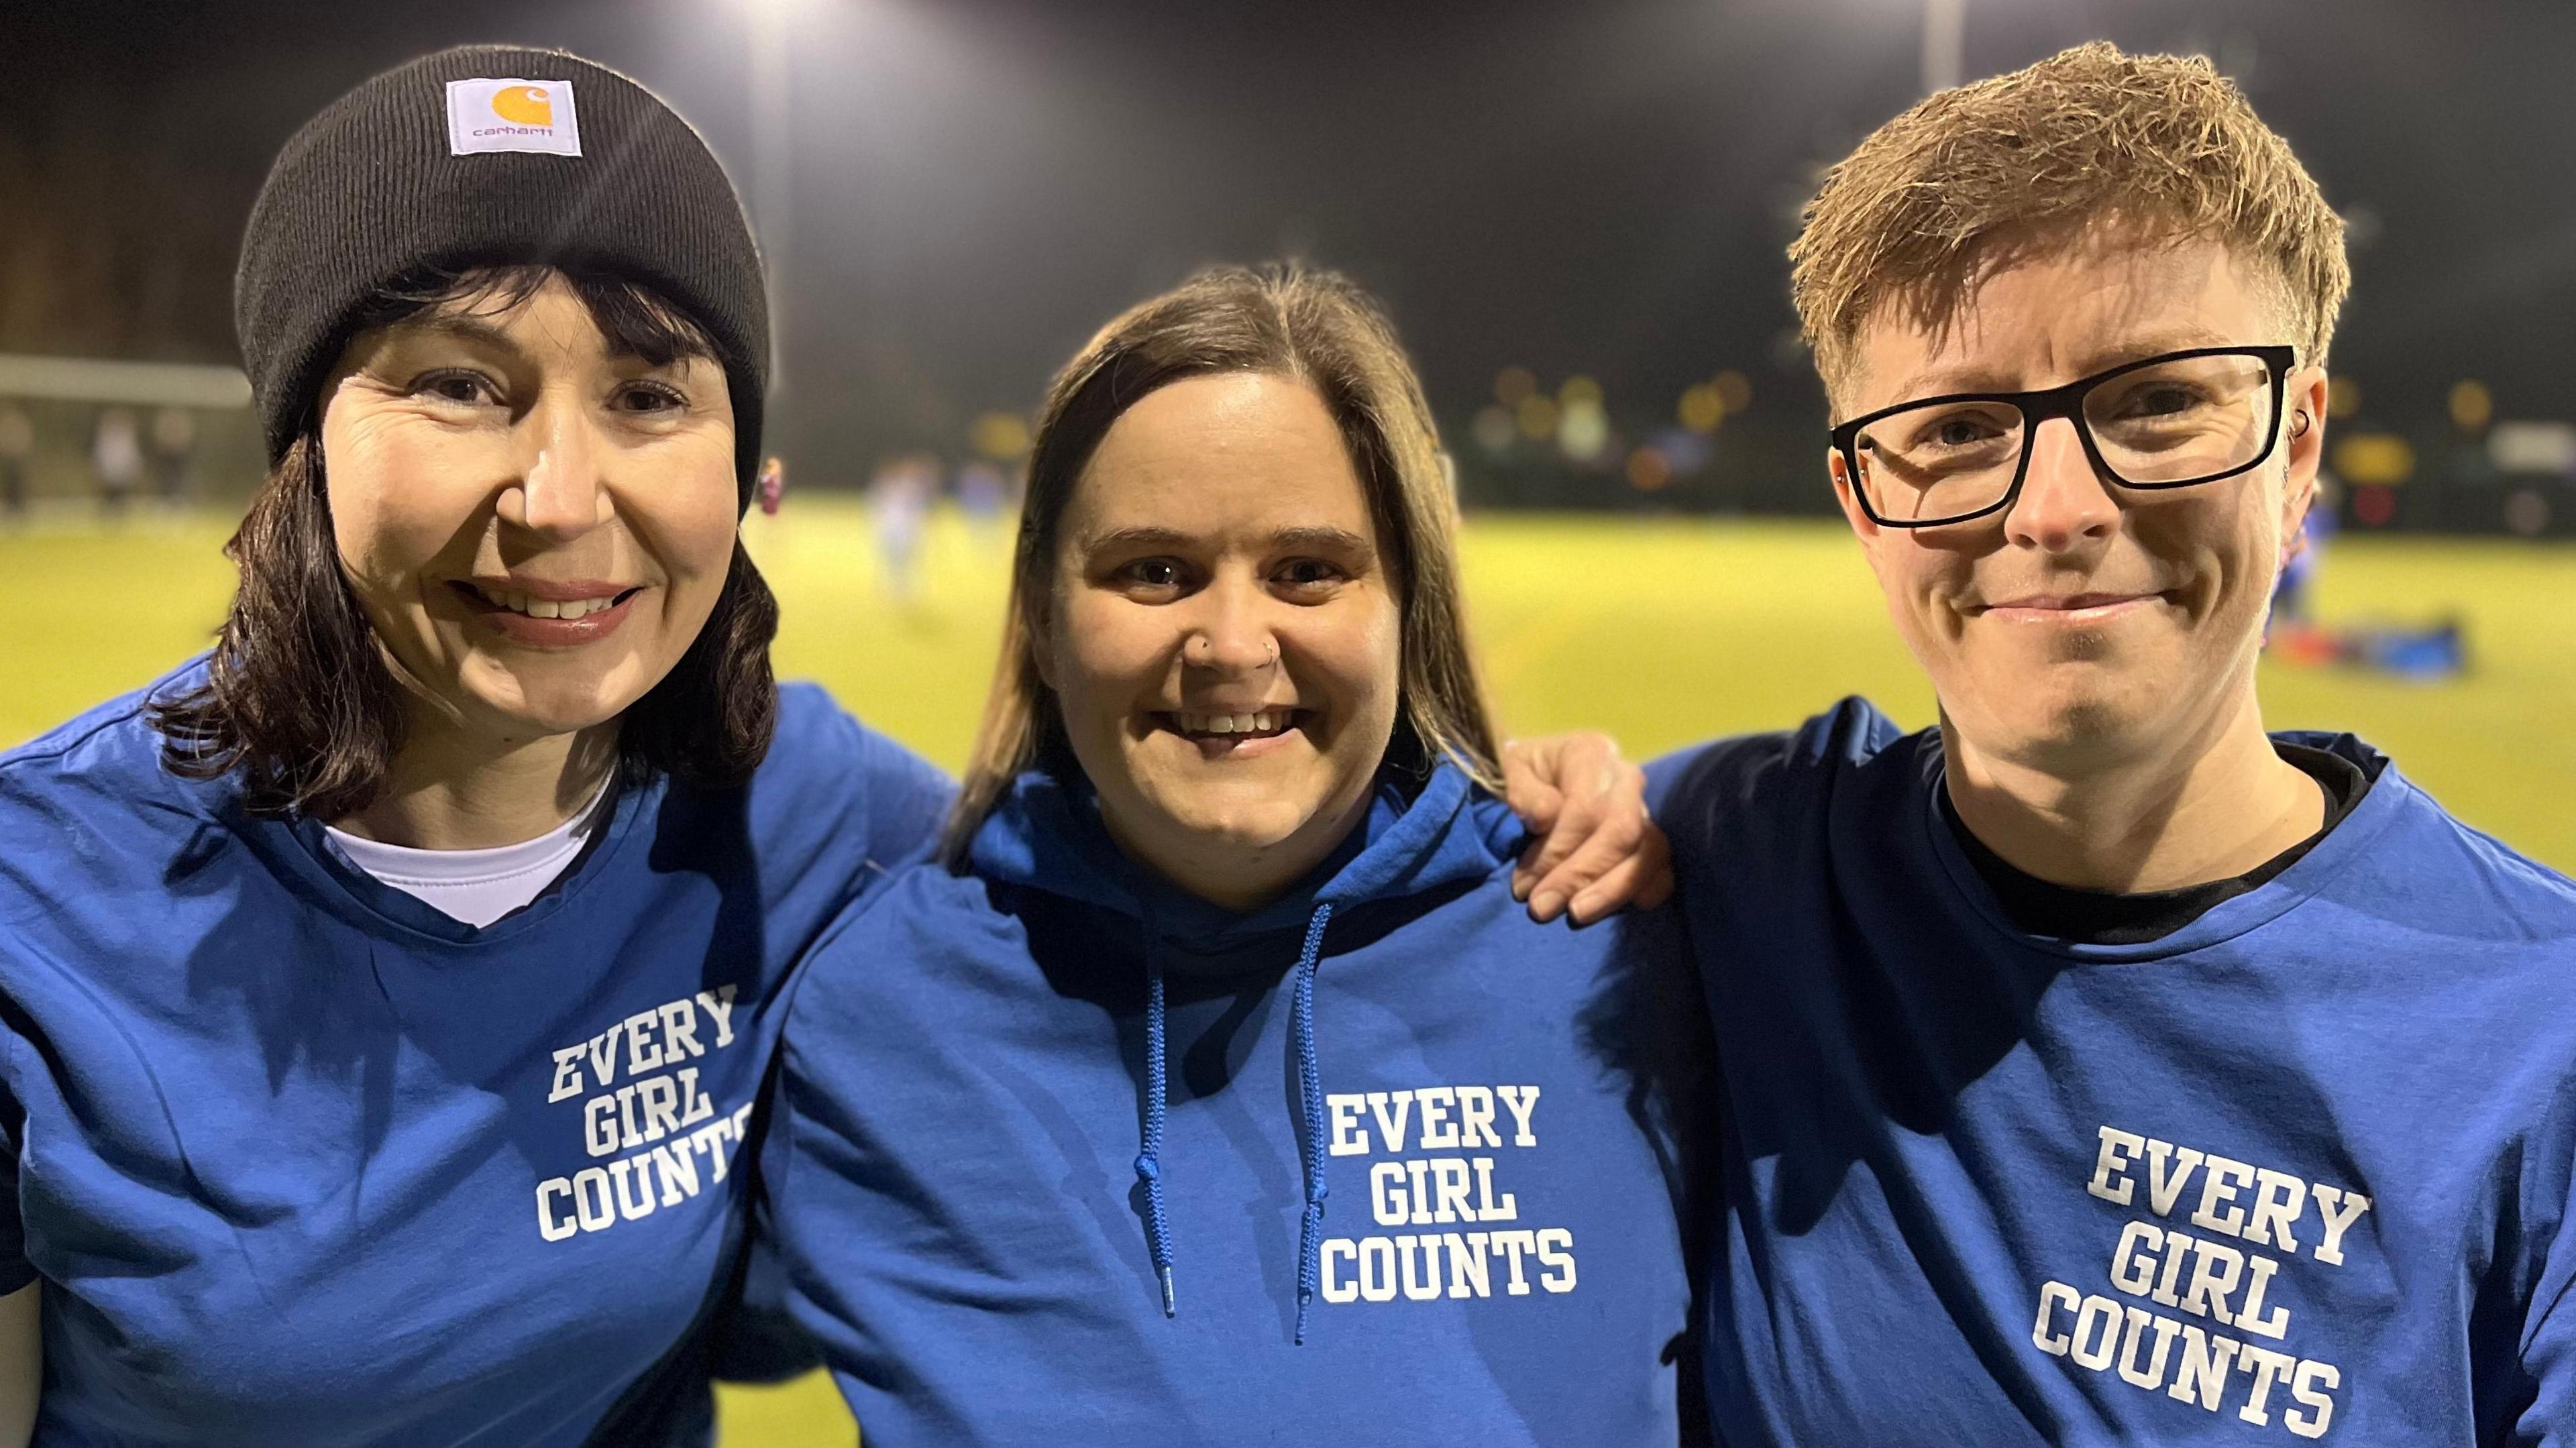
(512, 115)
(528, 105)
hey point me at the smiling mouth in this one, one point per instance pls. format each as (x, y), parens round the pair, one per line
(2071, 607)
(1230, 728)
(516, 602)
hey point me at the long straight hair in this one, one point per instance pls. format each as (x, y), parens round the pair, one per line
(1314, 327)
(298, 701)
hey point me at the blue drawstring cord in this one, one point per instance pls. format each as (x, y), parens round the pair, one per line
(1149, 1160)
(1310, 1093)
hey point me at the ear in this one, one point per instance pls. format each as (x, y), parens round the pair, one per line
(1039, 632)
(2303, 433)
(1844, 483)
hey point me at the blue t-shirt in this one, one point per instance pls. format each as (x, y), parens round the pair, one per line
(2298, 1170)
(1491, 1112)
(300, 1159)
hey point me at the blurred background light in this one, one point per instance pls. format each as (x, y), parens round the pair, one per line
(1001, 436)
(1583, 429)
(2533, 447)
(1702, 409)
(1733, 389)
(1537, 415)
(2374, 459)
(2472, 406)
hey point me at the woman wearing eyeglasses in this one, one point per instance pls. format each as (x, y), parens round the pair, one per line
(2100, 1066)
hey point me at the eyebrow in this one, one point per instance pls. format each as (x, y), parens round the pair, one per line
(1319, 539)
(1123, 538)
(2138, 349)
(1943, 381)
(465, 328)
(472, 328)
(1323, 540)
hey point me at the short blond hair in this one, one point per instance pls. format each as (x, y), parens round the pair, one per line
(1972, 179)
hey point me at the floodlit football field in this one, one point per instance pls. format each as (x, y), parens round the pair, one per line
(1661, 632)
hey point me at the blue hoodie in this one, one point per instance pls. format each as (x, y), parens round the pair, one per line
(1066, 1156)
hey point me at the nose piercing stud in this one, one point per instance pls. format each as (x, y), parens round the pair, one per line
(1199, 648)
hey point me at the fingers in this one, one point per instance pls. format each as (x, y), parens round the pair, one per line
(1571, 776)
(1529, 787)
(1644, 880)
(1579, 818)
(1593, 833)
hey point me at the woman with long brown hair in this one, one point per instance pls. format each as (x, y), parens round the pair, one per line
(1212, 1088)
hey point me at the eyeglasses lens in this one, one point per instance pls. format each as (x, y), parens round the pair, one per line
(2178, 422)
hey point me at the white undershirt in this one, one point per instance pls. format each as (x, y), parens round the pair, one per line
(475, 886)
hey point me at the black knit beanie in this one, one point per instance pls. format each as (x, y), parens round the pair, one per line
(492, 155)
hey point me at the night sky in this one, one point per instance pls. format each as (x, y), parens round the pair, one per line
(1596, 188)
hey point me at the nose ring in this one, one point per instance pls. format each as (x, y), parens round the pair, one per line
(1200, 649)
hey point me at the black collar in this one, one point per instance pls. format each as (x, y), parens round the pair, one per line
(2095, 917)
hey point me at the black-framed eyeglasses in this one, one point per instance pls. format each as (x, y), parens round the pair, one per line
(2170, 421)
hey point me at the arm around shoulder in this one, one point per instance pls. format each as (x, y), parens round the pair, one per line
(823, 758)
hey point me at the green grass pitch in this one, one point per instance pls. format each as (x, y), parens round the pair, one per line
(1659, 631)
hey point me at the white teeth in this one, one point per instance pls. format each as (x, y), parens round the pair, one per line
(1221, 724)
(518, 602)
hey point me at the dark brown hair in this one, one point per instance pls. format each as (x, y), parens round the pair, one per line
(1321, 330)
(298, 699)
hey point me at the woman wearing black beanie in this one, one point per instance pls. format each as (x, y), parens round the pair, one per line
(384, 995)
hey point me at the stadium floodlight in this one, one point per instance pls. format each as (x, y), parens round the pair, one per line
(769, 50)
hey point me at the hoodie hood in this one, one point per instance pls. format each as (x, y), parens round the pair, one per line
(1047, 835)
